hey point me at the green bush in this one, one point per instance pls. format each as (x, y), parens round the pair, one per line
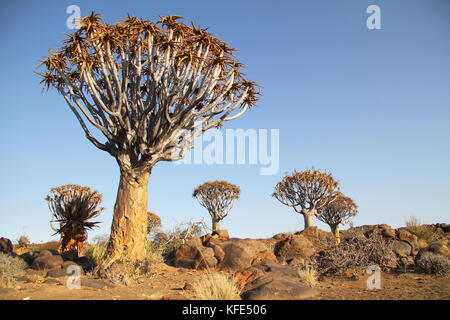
(10, 268)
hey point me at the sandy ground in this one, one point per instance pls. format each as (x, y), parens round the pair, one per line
(169, 282)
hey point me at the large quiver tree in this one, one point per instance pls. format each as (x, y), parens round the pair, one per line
(307, 192)
(150, 89)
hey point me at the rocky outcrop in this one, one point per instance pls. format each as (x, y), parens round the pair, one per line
(270, 281)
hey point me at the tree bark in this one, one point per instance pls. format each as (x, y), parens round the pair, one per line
(335, 231)
(308, 219)
(129, 226)
(215, 225)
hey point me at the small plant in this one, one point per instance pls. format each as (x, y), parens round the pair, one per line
(309, 275)
(10, 268)
(423, 232)
(73, 206)
(96, 252)
(216, 286)
(433, 263)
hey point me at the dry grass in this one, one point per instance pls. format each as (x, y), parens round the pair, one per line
(423, 232)
(309, 275)
(216, 286)
(10, 268)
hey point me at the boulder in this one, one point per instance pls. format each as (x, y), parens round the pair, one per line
(388, 233)
(222, 234)
(45, 253)
(269, 281)
(70, 255)
(404, 235)
(6, 245)
(242, 253)
(193, 255)
(295, 246)
(401, 248)
(47, 262)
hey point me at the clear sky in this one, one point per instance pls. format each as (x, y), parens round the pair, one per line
(371, 106)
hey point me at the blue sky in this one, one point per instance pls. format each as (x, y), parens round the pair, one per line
(371, 106)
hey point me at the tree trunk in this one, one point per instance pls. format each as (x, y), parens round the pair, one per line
(335, 231)
(308, 219)
(129, 226)
(215, 225)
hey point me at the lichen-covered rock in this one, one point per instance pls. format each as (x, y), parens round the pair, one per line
(295, 246)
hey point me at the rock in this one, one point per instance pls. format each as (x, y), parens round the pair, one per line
(188, 287)
(388, 233)
(401, 248)
(280, 236)
(194, 242)
(439, 248)
(296, 246)
(422, 244)
(47, 262)
(242, 253)
(404, 235)
(27, 257)
(219, 254)
(45, 253)
(269, 281)
(70, 255)
(6, 245)
(64, 271)
(446, 228)
(193, 255)
(205, 238)
(223, 234)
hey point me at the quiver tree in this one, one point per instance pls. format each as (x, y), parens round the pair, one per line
(150, 89)
(307, 192)
(73, 206)
(217, 197)
(337, 212)
(154, 222)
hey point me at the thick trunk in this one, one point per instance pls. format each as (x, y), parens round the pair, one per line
(129, 226)
(335, 231)
(215, 225)
(308, 219)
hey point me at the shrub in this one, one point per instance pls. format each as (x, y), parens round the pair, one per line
(216, 286)
(309, 275)
(10, 268)
(356, 252)
(433, 263)
(423, 232)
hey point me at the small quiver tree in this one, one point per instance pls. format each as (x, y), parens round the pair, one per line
(154, 222)
(73, 206)
(218, 198)
(306, 192)
(337, 212)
